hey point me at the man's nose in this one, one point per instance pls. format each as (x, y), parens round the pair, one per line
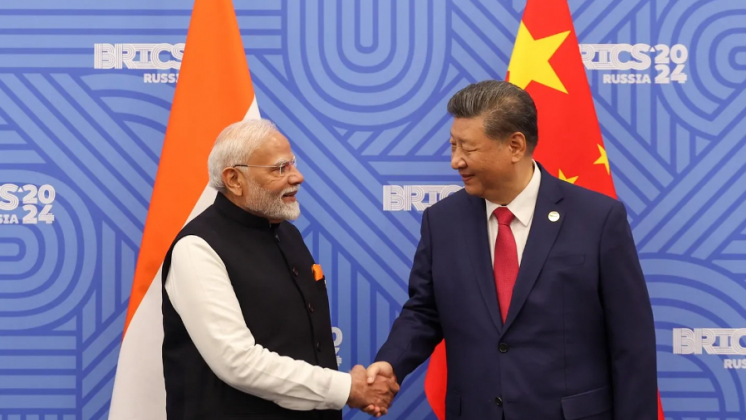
(295, 177)
(457, 162)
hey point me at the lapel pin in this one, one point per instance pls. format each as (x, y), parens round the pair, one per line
(553, 216)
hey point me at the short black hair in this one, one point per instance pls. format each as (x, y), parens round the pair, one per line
(507, 109)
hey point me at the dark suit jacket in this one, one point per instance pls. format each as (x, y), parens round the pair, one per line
(579, 339)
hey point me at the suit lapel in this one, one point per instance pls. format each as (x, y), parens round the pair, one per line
(476, 244)
(541, 238)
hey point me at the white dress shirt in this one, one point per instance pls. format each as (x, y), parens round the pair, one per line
(522, 207)
(201, 292)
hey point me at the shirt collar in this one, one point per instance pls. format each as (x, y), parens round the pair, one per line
(232, 211)
(524, 204)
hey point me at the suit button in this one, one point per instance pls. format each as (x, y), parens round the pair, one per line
(503, 348)
(295, 271)
(310, 307)
(318, 346)
(499, 401)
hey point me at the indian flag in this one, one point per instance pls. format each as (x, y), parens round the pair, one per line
(213, 91)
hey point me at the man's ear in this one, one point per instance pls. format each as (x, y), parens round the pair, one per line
(232, 181)
(518, 146)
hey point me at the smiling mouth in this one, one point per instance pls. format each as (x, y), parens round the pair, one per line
(289, 197)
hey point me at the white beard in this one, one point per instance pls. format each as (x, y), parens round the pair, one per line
(261, 201)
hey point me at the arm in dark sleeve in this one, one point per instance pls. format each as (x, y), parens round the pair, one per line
(417, 330)
(629, 322)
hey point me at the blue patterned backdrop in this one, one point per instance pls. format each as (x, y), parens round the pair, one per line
(360, 88)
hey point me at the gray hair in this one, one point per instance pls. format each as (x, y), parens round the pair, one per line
(507, 109)
(234, 146)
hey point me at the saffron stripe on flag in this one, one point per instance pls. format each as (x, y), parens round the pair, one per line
(203, 106)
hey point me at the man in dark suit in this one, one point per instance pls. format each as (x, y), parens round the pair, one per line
(534, 283)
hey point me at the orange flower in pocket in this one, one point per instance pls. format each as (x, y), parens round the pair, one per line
(318, 273)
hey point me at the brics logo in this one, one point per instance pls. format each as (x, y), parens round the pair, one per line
(669, 62)
(162, 57)
(718, 341)
(419, 197)
(26, 204)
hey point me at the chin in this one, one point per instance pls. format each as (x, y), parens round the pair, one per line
(293, 216)
(472, 190)
(292, 211)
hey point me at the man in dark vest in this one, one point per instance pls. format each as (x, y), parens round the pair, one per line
(246, 317)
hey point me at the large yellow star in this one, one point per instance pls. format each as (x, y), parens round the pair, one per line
(603, 160)
(571, 180)
(530, 59)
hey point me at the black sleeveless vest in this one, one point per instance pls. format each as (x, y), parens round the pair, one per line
(285, 308)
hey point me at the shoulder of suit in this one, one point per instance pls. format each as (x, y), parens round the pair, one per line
(203, 217)
(453, 203)
(587, 197)
(455, 199)
(192, 241)
(203, 225)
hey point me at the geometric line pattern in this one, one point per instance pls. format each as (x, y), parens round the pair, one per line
(360, 89)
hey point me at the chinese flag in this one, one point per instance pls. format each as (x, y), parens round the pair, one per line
(546, 63)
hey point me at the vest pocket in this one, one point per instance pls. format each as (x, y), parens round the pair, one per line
(321, 287)
(323, 297)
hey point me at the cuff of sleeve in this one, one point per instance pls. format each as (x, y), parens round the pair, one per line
(339, 390)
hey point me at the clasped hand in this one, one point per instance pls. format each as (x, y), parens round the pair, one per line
(373, 389)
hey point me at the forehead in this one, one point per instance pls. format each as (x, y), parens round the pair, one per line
(468, 129)
(275, 148)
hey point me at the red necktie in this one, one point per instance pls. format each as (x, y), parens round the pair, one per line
(506, 259)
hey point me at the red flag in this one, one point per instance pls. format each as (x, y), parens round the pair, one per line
(546, 63)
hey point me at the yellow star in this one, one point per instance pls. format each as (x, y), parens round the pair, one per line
(603, 160)
(571, 180)
(530, 59)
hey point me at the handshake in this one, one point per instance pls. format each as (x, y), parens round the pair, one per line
(373, 389)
